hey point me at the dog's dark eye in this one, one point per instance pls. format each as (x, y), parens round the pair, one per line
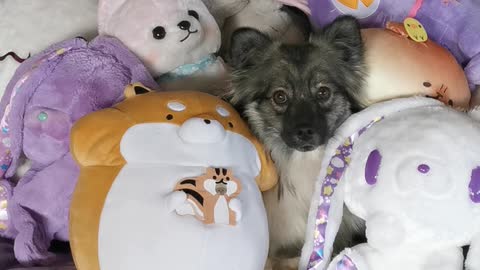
(323, 93)
(280, 97)
(194, 14)
(159, 32)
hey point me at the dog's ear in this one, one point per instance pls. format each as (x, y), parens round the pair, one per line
(244, 45)
(344, 33)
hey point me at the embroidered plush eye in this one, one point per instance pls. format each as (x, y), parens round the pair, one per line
(159, 32)
(423, 168)
(323, 93)
(280, 97)
(194, 14)
(42, 116)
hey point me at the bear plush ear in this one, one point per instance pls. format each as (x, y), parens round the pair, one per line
(136, 89)
(95, 138)
(106, 8)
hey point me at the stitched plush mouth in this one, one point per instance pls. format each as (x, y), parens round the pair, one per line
(189, 33)
(14, 56)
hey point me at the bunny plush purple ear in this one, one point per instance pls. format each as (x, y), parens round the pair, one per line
(24, 83)
(326, 207)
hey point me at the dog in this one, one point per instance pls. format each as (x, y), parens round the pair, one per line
(294, 97)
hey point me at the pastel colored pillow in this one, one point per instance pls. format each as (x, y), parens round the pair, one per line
(169, 180)
(452, 24)
(398, 67)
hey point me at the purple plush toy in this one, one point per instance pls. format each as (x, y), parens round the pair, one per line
(454, 24)
(47, 94)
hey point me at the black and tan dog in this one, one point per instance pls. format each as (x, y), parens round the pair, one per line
(294, 97)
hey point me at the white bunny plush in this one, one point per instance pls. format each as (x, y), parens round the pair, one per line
(411, 169)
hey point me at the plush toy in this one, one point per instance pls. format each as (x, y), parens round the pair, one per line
(399, 67)
(453, 24)
(28, 27)
(177, 40)
(47, 94)
(169, 180)
(415, 182)
(271, 17)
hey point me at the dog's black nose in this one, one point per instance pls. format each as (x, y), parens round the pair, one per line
(184, 25)
(305, 134)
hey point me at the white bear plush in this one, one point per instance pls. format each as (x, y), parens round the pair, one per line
(411, 169)
(30, 26)
(176, 40)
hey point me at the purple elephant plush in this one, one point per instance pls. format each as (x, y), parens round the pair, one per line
(454, 24)
(47, 94)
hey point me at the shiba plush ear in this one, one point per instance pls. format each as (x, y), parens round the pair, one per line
(136, 89)
(245, 45)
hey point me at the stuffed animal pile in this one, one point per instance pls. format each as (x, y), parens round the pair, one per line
(178, 173)
(174, 42)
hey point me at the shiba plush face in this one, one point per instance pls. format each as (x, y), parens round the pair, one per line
(295, 96)
(165, 34)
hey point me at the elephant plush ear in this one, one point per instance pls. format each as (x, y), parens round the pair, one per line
(95, 138)
(28, 77)
(326, 207)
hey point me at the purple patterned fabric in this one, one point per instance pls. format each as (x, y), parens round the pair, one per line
(453, 24)
(346, 264)
(47, 94)
(335, 171)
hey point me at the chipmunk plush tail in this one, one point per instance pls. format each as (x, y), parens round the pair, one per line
(326, 208)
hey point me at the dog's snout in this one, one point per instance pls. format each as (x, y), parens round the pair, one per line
(305, 134)
(184, 25)
(202, 130)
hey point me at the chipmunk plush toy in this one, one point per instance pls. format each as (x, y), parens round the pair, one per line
(169, 180)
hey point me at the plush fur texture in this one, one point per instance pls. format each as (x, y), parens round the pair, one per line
(48, 93)
(294, 97)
